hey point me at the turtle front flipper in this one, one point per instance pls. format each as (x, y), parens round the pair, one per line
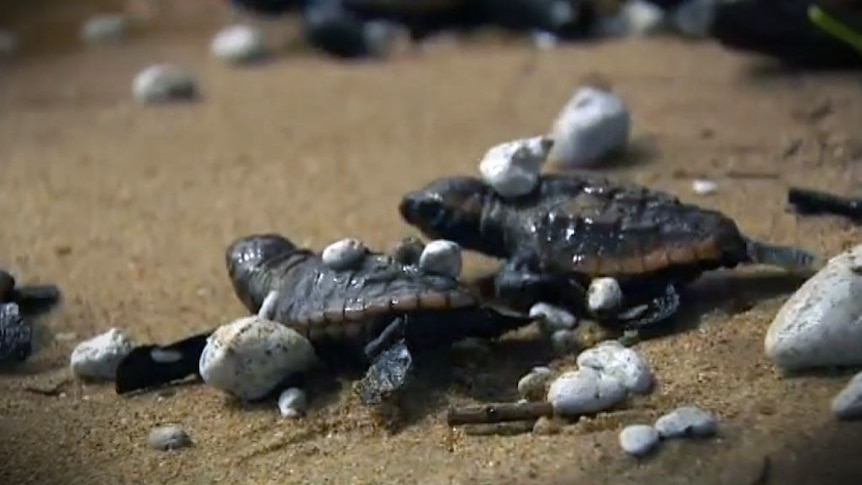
(148, 366)
(387, 374)
(520, 286)
(16, 335)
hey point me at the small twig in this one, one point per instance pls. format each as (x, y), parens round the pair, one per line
(499, 413)
(806, 201)
(739, 174)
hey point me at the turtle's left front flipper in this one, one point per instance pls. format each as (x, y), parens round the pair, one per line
(148, 366)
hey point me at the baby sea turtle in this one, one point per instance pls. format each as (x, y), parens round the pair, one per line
(16, 335)
(379, 312)
(573, 228)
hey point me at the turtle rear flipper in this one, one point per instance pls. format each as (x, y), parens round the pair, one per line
(789, 258)
(148, 366)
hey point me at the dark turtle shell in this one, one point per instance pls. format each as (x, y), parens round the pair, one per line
(327, 304)
(578, 223)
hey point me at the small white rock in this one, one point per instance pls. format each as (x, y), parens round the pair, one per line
(694, 18)
(441, 257)
(642, 18)
(622, 363)
(591, 126)
(552, 317)
(564, 341)
(161, 83)
(292, 403)
(249, 357)
(534, 386)
(687, 421)
(821, 324)
(513, 168)
(638, 439)
(168, 438)
(604, 295)
(343, 254)
(8, 43)
(847, 404)
(584, 391)
(105, 28)
(704, 187)
(545, 40)
(98, 357)
(239, 44)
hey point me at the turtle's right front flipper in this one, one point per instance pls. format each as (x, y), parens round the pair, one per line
(148, 366)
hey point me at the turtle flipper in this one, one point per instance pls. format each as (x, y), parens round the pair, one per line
(36, 299)
(16, 335)
(658, 309)
(387, 373)
(149, 366)
(521, 287)
(790, 258)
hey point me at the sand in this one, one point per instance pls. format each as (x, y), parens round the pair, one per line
(129, 209)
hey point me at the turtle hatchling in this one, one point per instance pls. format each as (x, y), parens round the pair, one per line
(574, 228)
(376, 313)
(15, 304)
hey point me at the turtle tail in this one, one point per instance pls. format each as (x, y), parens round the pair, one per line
(787, 257)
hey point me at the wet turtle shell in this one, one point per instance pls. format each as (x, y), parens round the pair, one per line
(589, 226)
(325, 304)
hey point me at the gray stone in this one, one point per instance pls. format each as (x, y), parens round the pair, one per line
(638, 439)
(584, 391)
(847, 404)
(821, 324)
(168, 438)
(687, 421)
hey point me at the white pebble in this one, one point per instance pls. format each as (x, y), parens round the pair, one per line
(378, 35)
(604, 295)
(694, 17)
(591, 126)
(564, 342)
(584, 391)
(552, 317)
(545, 40)
(821, 324)
(534, 385)
(513, 168)
(847, 404)
(622, 363)
(104, 28)
(239, 44)
(441, 257)
(249, 357)
(638, 439)
(642, 18)
(98, 357)
(8, 43)
(687, 421)
(292, 403)
(168, 438)
(704, 187)
(161, 83)
(343, 254)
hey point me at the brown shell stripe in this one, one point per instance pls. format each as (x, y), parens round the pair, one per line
(656, 259)
(354, 316)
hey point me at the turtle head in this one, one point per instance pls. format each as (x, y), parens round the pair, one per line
(455, 208)
(248, 261)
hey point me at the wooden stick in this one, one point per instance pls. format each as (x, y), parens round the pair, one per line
(807, 201)
(499, 413)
